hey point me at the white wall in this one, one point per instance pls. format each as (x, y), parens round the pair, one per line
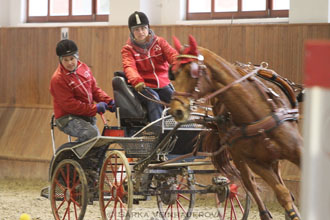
(4, 12)
(173, 11)
(158, 11)
(167, 12)
(121, 9)
(309, 11)
(153, 9)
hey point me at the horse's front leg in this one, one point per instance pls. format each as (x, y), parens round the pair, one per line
(272, 177)
(251, 185)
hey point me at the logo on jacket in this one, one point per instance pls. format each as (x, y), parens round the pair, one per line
(157, 47)
(87, 74)
(137, 54)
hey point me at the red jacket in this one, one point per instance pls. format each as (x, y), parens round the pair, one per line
(75, 93)
(148, 65)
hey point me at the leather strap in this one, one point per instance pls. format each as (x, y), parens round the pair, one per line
(268, 123)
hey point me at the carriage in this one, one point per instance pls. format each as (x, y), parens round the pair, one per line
(136, 160)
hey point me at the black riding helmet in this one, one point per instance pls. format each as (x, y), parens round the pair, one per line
(137, 19)
(66, 48)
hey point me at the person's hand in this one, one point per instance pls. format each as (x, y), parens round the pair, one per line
(112, 106)
(101, 107)
(139, 87)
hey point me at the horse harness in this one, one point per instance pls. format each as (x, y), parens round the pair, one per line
(248, 72)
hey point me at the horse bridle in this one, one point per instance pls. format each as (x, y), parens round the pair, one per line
(197, 71)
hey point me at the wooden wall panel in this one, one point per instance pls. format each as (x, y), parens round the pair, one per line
(27, 57)
(28, 60)
(28, 54)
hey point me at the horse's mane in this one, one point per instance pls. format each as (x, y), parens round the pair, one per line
(213, 60)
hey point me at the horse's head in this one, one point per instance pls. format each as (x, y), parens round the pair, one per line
(185, 73)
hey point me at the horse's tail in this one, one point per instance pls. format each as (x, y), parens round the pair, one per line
(222, 161)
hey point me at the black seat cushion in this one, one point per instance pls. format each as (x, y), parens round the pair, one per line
(129, 106)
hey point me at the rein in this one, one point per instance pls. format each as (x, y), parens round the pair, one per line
(202, 72)
(153, 99)
(219, 91)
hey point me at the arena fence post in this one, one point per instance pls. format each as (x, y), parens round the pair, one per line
(316, 131)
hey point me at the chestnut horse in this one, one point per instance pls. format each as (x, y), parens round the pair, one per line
(256, 124)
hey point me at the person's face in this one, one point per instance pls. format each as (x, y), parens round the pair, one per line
(69, 62)
(140, 33)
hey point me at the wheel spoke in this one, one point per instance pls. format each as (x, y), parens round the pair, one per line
(75, 183)
(168, 207)
(68, 193)
(60, 185)
(233, 201)
(108, 203)
(68, 175)
(75, 202)
(233, 211)
(183, 196)
(116, 197)
(179, 205)
(178, 209)
(59, 207)
(122, 205)
(66, 212)
(75, 210)
(239, 203)
(114, 210)
(174, 205)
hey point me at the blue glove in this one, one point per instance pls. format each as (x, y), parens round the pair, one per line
(101, 107)
(112, 106)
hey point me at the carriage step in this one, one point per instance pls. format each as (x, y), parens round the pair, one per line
(45, 192)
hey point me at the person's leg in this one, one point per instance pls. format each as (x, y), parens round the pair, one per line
(165, 93)
(81, 129)
(154, 109)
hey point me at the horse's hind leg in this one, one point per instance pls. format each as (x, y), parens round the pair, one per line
(277, 171)
(250, 184)
(274, 181)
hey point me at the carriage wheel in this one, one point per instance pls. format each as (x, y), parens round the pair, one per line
(116, 187)
(233, 202)
(68, 191)
(177, 205)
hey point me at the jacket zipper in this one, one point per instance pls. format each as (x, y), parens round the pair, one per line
(152, 64)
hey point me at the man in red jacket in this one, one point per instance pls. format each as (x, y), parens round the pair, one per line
(74, 90)
(146, 58)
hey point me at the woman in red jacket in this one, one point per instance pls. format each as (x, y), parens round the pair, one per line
(146, 59)
(74, 92)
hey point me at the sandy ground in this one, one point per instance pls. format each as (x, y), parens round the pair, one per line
(23, 196)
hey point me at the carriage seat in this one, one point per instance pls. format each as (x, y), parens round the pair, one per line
(130, 109)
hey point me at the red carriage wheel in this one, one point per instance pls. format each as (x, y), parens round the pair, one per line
(116, 187)
(176, 205)
(233, 203)
(68, 191)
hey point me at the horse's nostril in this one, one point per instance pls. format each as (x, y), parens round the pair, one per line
(178, 113)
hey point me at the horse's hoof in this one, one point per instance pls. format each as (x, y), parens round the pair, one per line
(292, 214)
(265, 215)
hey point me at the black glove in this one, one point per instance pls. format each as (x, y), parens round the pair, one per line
(101, 107)
(112, 106)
